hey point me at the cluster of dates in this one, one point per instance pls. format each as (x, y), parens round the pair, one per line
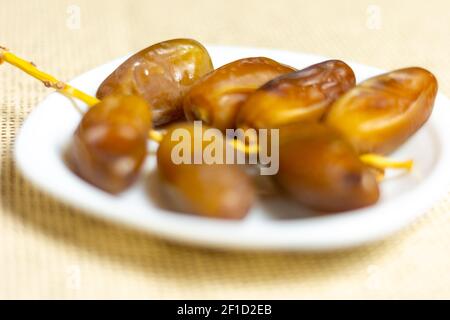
(326, 122)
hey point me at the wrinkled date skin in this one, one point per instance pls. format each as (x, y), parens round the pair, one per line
(210, 190)
(322, 171)
(294, 97)
(110, 143)
(161, 74)
(381, 113)
(217, 97)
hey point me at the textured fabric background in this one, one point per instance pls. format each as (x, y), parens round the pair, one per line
(48, 250)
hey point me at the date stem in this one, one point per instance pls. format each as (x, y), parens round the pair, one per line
(48, 80)
(379, 162)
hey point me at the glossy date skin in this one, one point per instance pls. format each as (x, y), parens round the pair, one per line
(303, 95)
(211, 190)
(217, 97)
(381, 113)
(109, 145)
(161, 74)
(321, 170)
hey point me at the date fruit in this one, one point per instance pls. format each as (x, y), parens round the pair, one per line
(210, 190)
(381, 113)
(322, 171)
(216, 98)
(303, 95)
(109, 145)
(161, 74)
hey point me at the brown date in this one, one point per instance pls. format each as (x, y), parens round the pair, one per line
(110, 143)
(381, 113)
(216, 98)
(321, 170)
(210, 190)
(297, 96)
(161, 74)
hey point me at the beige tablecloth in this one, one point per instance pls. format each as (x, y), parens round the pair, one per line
(48, 250)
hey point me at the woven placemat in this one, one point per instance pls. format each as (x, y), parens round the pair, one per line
(49, 250)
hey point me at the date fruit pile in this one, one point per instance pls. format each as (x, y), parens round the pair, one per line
(331, 129)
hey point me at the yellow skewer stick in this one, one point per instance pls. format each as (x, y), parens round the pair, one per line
(156, 136)
(48, 80)
(244, 148)
(380, 162)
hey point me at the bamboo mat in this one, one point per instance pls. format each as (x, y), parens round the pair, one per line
(49, 250)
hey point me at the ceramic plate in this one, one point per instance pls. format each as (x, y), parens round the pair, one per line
(273, 224)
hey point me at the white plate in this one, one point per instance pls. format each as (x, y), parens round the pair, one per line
(273, 224)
